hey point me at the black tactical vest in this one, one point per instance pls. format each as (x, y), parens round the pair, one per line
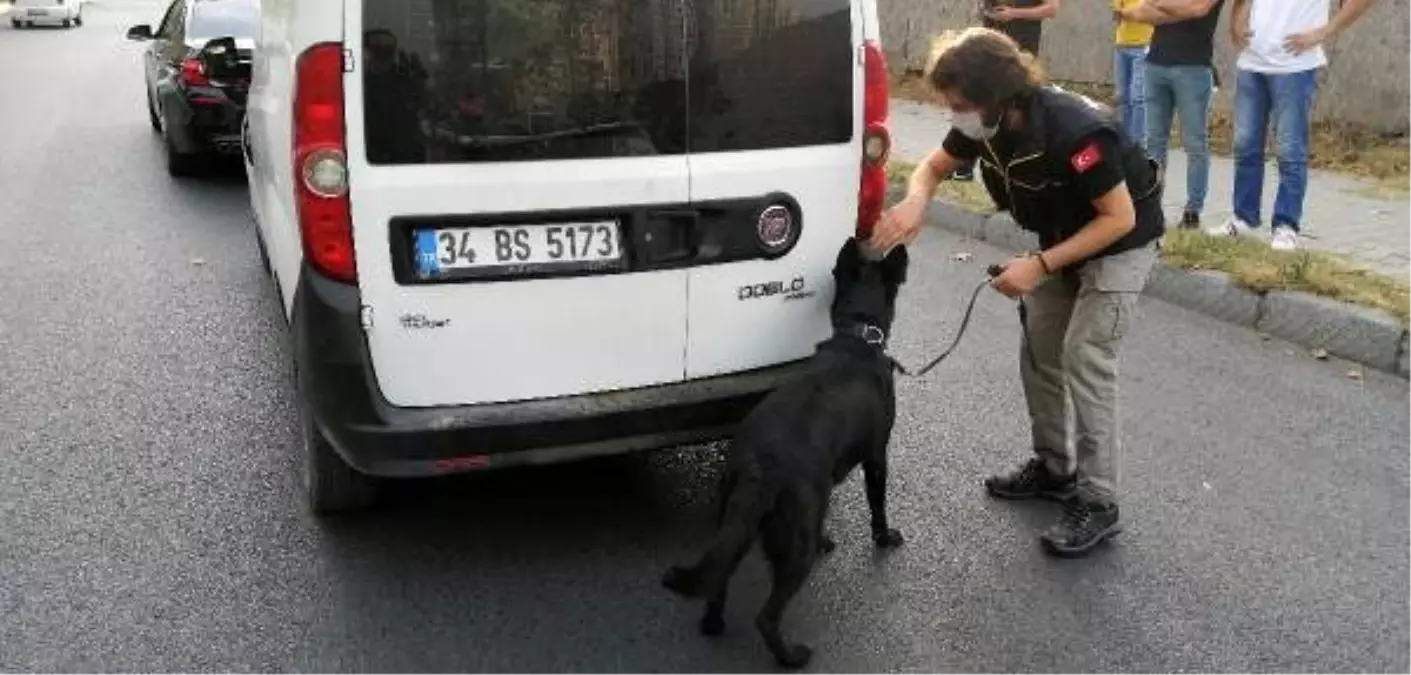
(1027, 171)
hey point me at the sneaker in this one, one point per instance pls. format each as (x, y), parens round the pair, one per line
(1234, 227)
(1030, 481)
(1285, 239)
(1190, 220)
(1085, 524)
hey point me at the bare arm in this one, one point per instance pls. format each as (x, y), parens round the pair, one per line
(929, 174)
(1157, 12)
(1147, 12)
(1350, 11)
(902, 223)
(1096, 175)
(1186, 9)
(1348, 14)
(1116, 216)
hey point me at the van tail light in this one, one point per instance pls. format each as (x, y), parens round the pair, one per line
(193, 73)
(876, 140)
(321, 163)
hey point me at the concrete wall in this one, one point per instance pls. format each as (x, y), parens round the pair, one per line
(1368, 80)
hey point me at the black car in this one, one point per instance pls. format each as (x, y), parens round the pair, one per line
(198, 112)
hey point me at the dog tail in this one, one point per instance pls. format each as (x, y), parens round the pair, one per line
(739, 526)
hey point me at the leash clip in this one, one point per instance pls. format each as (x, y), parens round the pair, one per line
(872, 335)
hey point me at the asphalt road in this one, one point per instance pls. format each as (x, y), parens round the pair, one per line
(151, 519)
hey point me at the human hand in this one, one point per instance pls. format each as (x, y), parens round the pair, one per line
(1020, 276)
(1003, 14)
(899, 225)
(1302, 42)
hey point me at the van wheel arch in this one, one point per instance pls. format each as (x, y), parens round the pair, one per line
(331, 486)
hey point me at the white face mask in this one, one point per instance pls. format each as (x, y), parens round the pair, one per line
(972, 125)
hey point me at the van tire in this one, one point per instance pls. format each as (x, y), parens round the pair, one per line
(68, 23)
(330, 485)
(16, 25)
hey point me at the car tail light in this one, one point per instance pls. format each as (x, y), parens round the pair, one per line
(321, 163)
(876, 140)
(193, 73)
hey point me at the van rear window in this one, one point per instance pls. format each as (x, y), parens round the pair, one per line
(507, 80)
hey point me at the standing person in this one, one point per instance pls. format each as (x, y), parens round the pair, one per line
(1131, 38)
(1180, 81)
(1281, 50)
(1021, 20)
(1064, 169)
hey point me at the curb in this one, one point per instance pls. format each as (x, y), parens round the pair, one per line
(1364, 335)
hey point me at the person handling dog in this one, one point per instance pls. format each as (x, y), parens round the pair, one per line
(1062, 167)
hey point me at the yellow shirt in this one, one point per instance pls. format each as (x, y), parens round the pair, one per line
(1131, 33)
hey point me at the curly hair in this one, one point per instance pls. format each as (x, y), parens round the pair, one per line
(983, 65)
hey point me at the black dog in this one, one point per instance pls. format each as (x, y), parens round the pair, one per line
(802, 440)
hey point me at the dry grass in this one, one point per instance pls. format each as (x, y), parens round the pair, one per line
(971, 195)
(1342, 147)
(1253, 265)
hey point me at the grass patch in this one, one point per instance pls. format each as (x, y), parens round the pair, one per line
(1335, 146)
(969, 195)
(1253, 265)
(1249, 262)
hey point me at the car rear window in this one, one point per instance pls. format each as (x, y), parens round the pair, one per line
(507, 80)
(212, 19)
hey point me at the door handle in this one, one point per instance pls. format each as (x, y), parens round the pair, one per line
(668, 235)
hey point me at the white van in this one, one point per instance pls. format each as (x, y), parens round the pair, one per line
(512, 233)
(31, 13)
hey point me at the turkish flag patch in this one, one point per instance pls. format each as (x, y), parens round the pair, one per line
(1086, 158)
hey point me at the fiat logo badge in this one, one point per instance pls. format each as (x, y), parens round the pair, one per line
(775, 228)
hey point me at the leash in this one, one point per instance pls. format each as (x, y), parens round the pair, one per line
(992, 272)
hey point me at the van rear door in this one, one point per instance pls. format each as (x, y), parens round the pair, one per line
(515, 171)
(775, 116)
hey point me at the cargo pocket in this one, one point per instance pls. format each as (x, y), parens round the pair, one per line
(1124, 272)
(1111, 286)
(1116, 315)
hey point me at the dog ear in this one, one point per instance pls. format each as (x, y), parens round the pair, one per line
(894, 266)
(849, 260)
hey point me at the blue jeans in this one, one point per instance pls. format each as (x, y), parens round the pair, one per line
(1287, 100)
(1129, 64)
(1182, 90)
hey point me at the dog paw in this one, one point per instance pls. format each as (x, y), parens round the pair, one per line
(712, 625)
(681, 581)
(890, 539)
(794, 656)
(826, 545)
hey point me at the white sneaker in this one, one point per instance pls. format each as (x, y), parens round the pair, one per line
(1234, 227)
(1285, 239)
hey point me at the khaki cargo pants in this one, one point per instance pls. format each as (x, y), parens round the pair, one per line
(1076, 324)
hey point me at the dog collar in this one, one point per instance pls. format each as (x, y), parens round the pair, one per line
(869, 333)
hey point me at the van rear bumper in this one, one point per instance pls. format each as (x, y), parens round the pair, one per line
(336, 381)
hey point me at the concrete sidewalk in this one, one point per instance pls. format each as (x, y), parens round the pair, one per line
(1341, 214)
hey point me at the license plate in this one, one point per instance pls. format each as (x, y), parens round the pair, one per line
(517, 249)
